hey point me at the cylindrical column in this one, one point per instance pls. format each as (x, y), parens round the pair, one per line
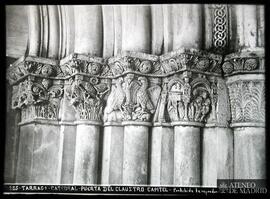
(157, 29)
(54, 32)
(187, 26)
(217, 140)
(247, 97)
(86, 153)
(108, 30)
(249, 153)
(135, 163)
(136, 28)
(68, 129)
(88, 29)
(112, 154)
(187, 156)
(162, 156)
(217, 155)
(34, 30)
(244, 24)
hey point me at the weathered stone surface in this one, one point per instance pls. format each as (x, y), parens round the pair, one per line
(112, 156)
(249, 153)
(11, 138)
(86, 155)
(135, 165)
(47, 154)
(68, 156)
(187, 155)
(162, 156)
(217, 155)
(25, 156)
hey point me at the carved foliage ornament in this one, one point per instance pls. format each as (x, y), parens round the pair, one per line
(247, 101)
(38, 98)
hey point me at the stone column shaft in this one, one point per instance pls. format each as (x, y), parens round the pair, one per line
(187, 155)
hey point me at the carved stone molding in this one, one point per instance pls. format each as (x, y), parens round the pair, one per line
(42, 67)
(247, 99)
(244, 63)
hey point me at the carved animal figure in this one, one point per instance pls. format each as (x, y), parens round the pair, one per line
(143, 99)
(116, 98)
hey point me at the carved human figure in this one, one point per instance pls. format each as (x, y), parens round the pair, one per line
(127, 87)
(205, 109)
(173, 99)
(186, 96)
(181, 110)
(198, 108)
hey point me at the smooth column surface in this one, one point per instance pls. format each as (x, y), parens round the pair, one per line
(217, 157)
(244, 25)
(86, 155)
(136, 28)
(25, 156)
(157, 29)
(68, 129)
(88, 29)
(47, 154)
(54, 32)
(249, 153)
(187, 155)
(112, 156)
(108, 30)
(161, 169)
(135, 155)
(187, 26)
(34, 30)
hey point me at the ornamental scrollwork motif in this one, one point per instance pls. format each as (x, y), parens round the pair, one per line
(220, 27)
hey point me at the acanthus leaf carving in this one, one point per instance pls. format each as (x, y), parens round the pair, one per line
(247, 101)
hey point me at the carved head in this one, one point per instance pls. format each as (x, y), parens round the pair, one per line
(143, 80)
(129, 78)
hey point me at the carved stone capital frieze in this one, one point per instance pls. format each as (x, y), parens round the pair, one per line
(186, 99)
(37, 66)
(247, 62)
(183, 87)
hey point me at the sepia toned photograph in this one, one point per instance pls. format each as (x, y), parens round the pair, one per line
(135, 99)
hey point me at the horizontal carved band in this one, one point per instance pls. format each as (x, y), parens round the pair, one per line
(244, 62)
(113, 67)
(183, 87)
